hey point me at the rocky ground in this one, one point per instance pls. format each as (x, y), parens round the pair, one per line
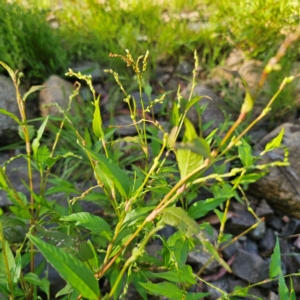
(276, 197)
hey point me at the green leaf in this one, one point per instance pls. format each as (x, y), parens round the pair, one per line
(32, 278)
(275, 264)
(283, 290)
(9, 114)
(245, 154)
(20, 212)
(33, 89)
(292, 291)
(201, 208)
(42, 155)
(112, 171)
(36, 141)
(7, 263)
(248, 103)
(136, 216)
(52, 160)
(177, 217)
(188, 161)
(190, 132)
(136, 278)
(184, 274)
(196, 296)
(248, 178)
(275, 143)
(97, 120)
(9, 70)
(198, 146)
(31, 132)
(166, 289)
(175, 115)
(91, 222)
(70, 268)
(193, 101)
(223, 191)
(181, 250)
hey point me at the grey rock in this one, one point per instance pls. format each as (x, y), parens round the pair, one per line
(57, 91)
(250, 246)
(124, 125)
(291, 228)
(90, 68)
(280, 187)
(17, 171)
(240, 221)
(273, 296)
(8, 101)
(250, 267)
(258, 232)
(148, 101)
(213, 110)
(267, 243)
(276, 223)
(221, 284)
(251, 72)
(235, 59)
(230, 250)
(264, 210)
(200, 257)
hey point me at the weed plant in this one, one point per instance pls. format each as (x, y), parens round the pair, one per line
(136, 202)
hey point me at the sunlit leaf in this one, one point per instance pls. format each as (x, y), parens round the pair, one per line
(177, 217)
(275, 143)
(201, 208)
(36, 141)
(167, 289)
(11, 115)
(91, 222)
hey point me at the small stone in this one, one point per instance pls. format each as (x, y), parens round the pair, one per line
(250, 267)
(297, 242)
(124, 124)
(273, 296)
(230, 250)
(250, 246)
(240, 221)
(264, 210)
(221, 284)
(276, 223)
(291, 228)
(258, 232)
(267, 243)
(57, 91)
(200, 257)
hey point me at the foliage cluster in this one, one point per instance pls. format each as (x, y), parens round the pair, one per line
(137, 200)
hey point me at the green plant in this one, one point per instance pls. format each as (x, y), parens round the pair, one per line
(137, 201)
(28, 43)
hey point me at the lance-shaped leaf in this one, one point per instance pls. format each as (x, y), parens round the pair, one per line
(97, 120)
(177, 217)
(188, 160)
(75, 272)
(91, 222)
(112, 171)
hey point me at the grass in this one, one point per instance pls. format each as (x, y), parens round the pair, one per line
(88, 31)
